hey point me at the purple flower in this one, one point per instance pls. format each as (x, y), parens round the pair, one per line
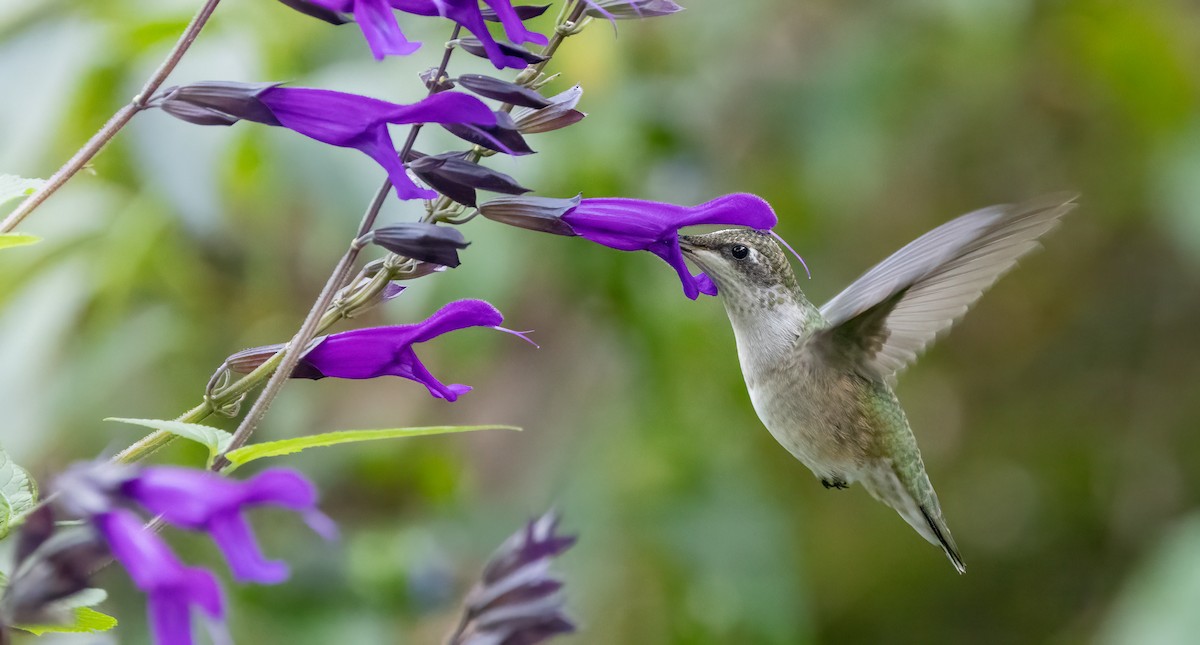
(518, 601)
(379, 351)
(636, 225)
(468, 14)
(204, 501)
(172, 589)
(108, 495)
(335, 118)
(378, 25)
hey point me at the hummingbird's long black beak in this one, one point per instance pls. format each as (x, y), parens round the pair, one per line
(687, 243)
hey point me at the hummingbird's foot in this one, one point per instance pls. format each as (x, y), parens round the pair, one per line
(836, 482)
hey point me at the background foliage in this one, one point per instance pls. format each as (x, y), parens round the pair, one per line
(1058, 421)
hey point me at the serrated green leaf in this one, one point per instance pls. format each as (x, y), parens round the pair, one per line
(250, 453)
(12, 187)
(18, 493)
(9, 240)
(215, 439)
(86, 620)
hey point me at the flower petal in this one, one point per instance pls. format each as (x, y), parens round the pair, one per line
(233, 536)
(381, 30)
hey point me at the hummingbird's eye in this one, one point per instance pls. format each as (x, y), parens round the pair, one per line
(739, 252)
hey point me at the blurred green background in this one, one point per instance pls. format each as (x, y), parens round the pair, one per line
(1059, 421)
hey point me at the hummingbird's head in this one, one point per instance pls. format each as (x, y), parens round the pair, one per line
(749, 268)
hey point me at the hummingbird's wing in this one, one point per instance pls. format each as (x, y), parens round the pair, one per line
(890, 313)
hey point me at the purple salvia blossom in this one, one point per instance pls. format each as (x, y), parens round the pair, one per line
(382, 351)
(335, 118)
(108, 496)
(378, 25)
(204, 501)
(172, 589)
(468, 14)
(637, 225)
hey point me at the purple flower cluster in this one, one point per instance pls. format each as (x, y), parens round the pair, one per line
(384, 37)
(115, 499)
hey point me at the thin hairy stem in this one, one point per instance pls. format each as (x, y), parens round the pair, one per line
(308, 329)
(114, 124)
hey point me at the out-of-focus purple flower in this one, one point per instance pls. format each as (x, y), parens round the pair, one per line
(468, 14)
(108, 495)
(335, 118)
(518, 601)
(381, 351)
(631, 9)
(172, 589)
(200, 500)
(48, 566)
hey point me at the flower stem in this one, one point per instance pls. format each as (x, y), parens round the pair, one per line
(308, 329)
(275, 367)
(115, 123)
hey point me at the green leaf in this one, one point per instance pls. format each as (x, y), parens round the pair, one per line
(86, 620)
(249, 453)
(8, 240)
(18, 493)
(12, 187)
(215, 439)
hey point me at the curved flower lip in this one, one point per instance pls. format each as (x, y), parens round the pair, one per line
(638, 225)
(378, 24)
(172, 588)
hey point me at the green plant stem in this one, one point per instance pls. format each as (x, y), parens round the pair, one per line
(308, 329)
(115, 123)
(279, 364)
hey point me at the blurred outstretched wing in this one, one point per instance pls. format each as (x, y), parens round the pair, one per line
(888, 315)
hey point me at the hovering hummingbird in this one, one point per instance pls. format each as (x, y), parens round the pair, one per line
(821, 379)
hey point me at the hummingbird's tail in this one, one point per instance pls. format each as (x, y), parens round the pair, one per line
(883, 484)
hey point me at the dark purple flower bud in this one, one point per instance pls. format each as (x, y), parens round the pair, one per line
(524, 12)
(335, 118)
(630, 9)
(509, 55)
(172, 589)
(49, 566)
(421, 241)
(518, 601)
(458, 178)
(559, 114)
(378, 25)
(200, 500)
(637, 225)
(494, 88)
(543, 214)
(388, 351)
(502, 137)
(317, 11)
(217, 102)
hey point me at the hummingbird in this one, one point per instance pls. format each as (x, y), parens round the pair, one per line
(820, 379)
